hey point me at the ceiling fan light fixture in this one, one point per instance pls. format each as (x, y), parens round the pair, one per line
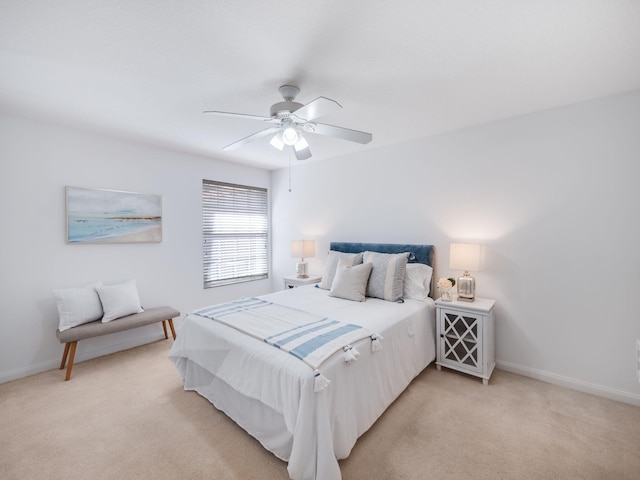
(301, 144)
(303, 153)
(291, 120)
(277, 142)
(290, 135)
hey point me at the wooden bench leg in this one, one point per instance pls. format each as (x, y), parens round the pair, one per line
(72, 354)
(64, 355)
(173, 330)
(164, 327)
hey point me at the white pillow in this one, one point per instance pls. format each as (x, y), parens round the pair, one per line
(77, 305)
(387, 276)
(351, 282)
(332, 265)
(119, 300)
(417, 281)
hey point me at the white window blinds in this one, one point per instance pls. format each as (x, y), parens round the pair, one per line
(234, 233)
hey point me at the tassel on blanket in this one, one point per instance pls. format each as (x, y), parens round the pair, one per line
(350, 354)
(376, 344)
(320, 382)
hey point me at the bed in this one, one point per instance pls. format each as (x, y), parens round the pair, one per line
(277, 398)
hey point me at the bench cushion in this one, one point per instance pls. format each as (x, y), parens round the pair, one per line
(97, 328)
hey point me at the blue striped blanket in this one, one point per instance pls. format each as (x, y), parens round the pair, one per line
(311, 338)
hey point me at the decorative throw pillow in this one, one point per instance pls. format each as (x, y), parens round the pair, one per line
(332, 265)
(77, 305)
(417, 281)
(119, 300)
(387, 275)
(351, 282)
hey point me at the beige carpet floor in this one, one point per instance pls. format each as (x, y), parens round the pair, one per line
(126, 416)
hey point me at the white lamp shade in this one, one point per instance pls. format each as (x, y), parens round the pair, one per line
(303, 248)
(464, 256)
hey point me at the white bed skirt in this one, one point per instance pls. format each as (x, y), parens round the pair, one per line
(247, 412)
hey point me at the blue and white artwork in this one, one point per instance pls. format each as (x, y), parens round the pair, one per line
(108, 216)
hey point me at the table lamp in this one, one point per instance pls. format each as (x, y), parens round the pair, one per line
(466, 257)
(302, 249)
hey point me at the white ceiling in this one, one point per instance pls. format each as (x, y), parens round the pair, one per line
(402, 70)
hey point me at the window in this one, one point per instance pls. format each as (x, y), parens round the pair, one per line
(234, 233)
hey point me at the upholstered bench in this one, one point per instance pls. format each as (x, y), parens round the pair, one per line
(96, 328)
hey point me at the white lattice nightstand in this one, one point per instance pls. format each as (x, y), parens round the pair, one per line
(466, 337)
(293, 281)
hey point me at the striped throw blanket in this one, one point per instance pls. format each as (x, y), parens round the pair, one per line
(309, 337)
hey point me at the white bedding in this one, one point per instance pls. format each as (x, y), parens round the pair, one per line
(270, 393)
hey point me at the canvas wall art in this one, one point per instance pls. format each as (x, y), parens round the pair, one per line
(109, 216)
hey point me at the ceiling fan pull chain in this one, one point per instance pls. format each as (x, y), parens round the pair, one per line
(290, 154)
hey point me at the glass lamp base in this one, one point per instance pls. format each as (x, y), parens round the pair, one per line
(301, 269)
(466, 288)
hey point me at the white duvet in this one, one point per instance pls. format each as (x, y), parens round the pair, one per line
(270, 393)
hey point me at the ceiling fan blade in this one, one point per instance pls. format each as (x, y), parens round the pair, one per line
(238, 115)
(338, 132)
(303, 153)
(251, 138)
(315, 108)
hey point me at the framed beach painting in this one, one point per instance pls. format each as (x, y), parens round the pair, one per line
(109, 216)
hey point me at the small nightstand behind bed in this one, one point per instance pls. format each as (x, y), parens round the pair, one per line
(294, 281)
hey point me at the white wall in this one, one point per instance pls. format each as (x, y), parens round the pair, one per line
(37, 160)
(553, 197)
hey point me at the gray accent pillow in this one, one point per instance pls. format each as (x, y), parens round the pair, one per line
(119, 300)
(351, 282)
(333, 258)
(387, 275)
(78, 305)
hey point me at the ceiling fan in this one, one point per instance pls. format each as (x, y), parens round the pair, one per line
(291, 119)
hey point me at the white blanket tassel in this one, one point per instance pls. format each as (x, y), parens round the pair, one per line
(350, 354)
(376, 344)
(320, 382)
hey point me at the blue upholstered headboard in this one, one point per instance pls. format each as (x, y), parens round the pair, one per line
(419, 253)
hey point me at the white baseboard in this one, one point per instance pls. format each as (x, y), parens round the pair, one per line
(591, 388)
(28, 371)
(80, 357)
